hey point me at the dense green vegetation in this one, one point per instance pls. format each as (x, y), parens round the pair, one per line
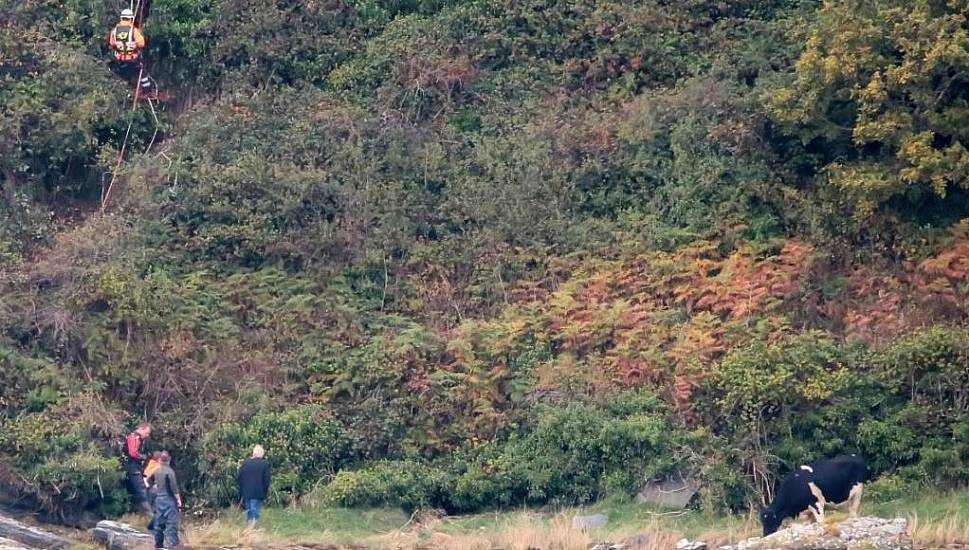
(486, 253)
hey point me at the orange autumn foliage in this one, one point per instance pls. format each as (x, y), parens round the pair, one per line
(659, 319)
(880, 305)
(741, 286)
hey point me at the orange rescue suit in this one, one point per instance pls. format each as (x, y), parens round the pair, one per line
(127, 41)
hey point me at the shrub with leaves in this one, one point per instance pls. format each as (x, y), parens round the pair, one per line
(404, 483)
(304, 445)
(66, 466)
(880, 87)
(569, 454)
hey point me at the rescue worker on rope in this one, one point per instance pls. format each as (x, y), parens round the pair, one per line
(128, 42)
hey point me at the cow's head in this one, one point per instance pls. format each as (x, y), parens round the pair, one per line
(770, 521)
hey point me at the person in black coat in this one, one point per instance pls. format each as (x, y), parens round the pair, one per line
(254, 478)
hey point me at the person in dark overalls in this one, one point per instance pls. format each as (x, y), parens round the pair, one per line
(167, 503)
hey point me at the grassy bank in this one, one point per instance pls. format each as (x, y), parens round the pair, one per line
(936, 520)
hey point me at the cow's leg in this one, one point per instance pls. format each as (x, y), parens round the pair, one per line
(854, 499)
(813, 511)
(819, 513)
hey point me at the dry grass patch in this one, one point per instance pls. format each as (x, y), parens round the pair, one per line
(523, 532)
(223, 532)
(937, 533)
(555, 534)
(730, 535)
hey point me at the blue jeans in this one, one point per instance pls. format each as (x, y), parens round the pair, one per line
(166, 521)
(253, 507)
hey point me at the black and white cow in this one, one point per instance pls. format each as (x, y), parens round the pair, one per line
(833, 482)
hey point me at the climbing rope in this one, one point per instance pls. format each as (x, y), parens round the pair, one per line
(106, 194)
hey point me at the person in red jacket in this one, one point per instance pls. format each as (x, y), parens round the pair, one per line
(134, 457)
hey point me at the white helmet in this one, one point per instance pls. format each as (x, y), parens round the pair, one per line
(127, 14)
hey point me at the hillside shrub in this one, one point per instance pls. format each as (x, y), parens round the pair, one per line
(888, 488)
(578, 453)
(572, 454)
(304, 445)
(762, 388)
(926, 400)
(406, 483)
(64, 470)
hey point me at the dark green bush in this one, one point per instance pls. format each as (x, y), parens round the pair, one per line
(571, 454)
(925, 383)
(888, 488)
(403, 483)
(63, 469)
(486, 477)
(304, 445)
(579, 453)
(886, 444)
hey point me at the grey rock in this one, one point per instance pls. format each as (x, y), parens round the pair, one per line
(670, 493)
(21, 533)
(7, 544)
(121, 536)
(685, 544)
(850, 534)
(595, 521)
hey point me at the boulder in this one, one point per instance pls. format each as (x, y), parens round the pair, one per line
(850, 534)
(28, 536)
(685, 544)
(670, 493)
(121, 536)
(595, 521)
(7, 544)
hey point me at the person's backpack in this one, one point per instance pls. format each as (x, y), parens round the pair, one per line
(125, 45)
(124, 39)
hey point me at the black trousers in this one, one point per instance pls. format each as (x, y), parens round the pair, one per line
(128, 70)
(136, 486)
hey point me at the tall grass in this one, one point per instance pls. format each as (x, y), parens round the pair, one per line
(520, 532)
(935, 520)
